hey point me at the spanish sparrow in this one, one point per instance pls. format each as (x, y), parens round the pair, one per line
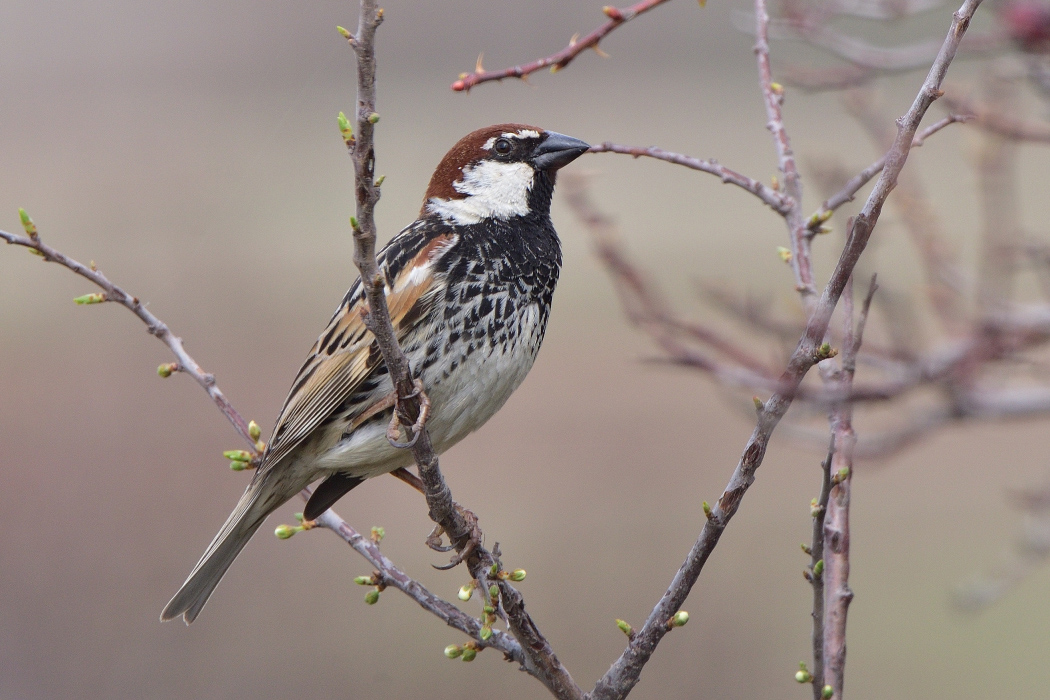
(469, 286)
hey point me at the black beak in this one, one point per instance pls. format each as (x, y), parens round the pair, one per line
(557, 150)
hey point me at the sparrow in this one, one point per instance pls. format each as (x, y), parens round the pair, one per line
(469, 285)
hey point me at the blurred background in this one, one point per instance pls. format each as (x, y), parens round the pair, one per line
(191, 150)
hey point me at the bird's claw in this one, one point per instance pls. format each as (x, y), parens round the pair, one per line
(474, 539)
(393, 431)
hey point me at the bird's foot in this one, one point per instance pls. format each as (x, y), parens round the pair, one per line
(393, 431)
(474, 536)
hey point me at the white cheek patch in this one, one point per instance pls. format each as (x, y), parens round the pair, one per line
(492, 189)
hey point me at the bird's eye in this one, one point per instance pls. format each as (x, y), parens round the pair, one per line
(502, 147)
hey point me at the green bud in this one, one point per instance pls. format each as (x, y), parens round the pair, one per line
(254, 432)
(453, 651)
(826, 692)
(494, 570)
(239, 466)
(680, 618)
(283, 532)
(346, 34)
(378, 533)
(494, 591)
(489, 610)
(625, 627)
(485, 633)
(372, 597)
(27, 224)
(784, 253)
(843, 474)
(364, 581)
(803, 677)
(167, 369)
(759, 404)
(466, 592)
(373, 118)
(380, 180)
(818, 568)
(353, 223)
(299, 517)
(96, 298)
(239, 455)
(707, 508)
(806, 548)
(517, 575)
(469, 654)
(819, 218)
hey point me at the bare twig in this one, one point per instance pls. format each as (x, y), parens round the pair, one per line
(624, 673)
(835, 545)
(815, 573)
(776, 201)
(773, 94)
(849, 191)
(156, 327)
(392, 575)
(460, 525)
(559, 60)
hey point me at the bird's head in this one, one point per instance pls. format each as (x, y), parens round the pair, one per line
(499, 172)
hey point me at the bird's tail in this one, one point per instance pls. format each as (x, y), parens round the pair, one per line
(259, 500)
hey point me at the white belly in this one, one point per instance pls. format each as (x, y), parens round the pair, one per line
(461, 402)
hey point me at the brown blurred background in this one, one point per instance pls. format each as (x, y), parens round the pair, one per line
(190, 148)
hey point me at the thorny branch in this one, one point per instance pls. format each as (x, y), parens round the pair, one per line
(559, 60)
(459, 524)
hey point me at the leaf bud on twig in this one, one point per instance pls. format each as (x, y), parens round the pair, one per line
(237, 455)
(679, 619)
(96, 298)
(378, 533)
(372, 597)
(625, 627)
(612, 13)
(469, 654)
(517, 575)
(283, 532)
(818, 568)
(485, 633)
(254, 431)
(803, 675)
(784, 253)
(167, 369)
(27, 224)
(373, 118)
(827, 692)
(364, 580)
(453, 651)
(238, 466)
(466, 591)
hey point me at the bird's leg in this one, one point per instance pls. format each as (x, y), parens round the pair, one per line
(393, 431)
(409, 478)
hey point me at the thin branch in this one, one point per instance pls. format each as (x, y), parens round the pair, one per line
(561, 59)
(1000, 123)
(625, 672)
(815, 573)
(850, 189)
(774, 96)
(459, 524)
(776, 201)
(156, 327)
(392, 575)
(835, 545)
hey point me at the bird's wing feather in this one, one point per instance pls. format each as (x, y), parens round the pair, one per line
(342, 358)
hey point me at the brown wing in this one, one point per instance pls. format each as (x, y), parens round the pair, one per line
(341, 360)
